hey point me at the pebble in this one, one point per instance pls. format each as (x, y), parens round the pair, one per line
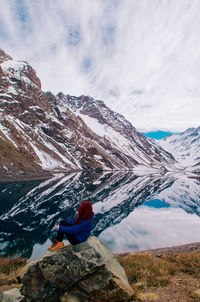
(12, 295)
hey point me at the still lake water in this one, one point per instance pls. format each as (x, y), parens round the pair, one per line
(131, 212)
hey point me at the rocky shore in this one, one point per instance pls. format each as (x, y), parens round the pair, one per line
(89, 272)
(172, 250)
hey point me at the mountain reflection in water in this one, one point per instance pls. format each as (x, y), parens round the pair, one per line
(131, 212)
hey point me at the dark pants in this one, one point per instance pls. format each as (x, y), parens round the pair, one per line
(70, 237)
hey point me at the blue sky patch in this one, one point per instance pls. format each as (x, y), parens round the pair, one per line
(22, 11)
(86, 65)
(73, 38)
(108, 34)
(3, 32)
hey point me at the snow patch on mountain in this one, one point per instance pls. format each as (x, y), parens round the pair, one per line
(118, 132)
(185, 147)
(49, 133)
(17, 70)
(6, 133)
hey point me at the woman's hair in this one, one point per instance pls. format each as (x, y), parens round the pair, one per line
(84, 212)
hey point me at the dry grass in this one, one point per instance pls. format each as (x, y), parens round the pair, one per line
(146, 272)
(146, 297)
(195, 293)
(152, 278)
(186, 263)
(9, 270)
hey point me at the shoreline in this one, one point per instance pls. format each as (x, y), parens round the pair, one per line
(26, 179)
(151, 277)
(188, 248)
(51, 174)
(43, 176)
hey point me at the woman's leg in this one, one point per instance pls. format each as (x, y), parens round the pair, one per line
(72, 239)
(60, 235)
(58, 242)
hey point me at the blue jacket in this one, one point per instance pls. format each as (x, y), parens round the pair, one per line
(81, 231)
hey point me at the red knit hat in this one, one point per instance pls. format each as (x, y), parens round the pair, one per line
(84, 212)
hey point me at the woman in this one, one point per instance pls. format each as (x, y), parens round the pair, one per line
(76, 230)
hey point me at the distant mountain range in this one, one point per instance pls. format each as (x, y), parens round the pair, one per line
(185, 147)
(41, 133)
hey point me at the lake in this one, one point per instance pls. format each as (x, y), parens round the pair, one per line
(131, 212)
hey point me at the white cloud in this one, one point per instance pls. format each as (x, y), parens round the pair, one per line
(140, 57)
(147, 228)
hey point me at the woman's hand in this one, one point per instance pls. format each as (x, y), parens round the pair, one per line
(58, 227)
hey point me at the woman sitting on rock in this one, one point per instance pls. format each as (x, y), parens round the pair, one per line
(76, 230)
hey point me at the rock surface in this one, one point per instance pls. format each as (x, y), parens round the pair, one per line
(12, 295)
(87, 271)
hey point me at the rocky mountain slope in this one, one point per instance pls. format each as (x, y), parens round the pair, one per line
(41, 133)
(129, 147)
(185, 147)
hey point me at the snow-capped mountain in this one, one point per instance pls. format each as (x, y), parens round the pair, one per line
(185, 147)
(130, 147)
(41, 133)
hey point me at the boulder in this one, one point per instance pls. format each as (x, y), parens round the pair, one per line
(86, 272)
(11, 295)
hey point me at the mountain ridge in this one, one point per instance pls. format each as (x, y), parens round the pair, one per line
(41, 133)
(98, 116)
(185, 147)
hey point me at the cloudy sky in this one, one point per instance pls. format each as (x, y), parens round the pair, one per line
(142, 57)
